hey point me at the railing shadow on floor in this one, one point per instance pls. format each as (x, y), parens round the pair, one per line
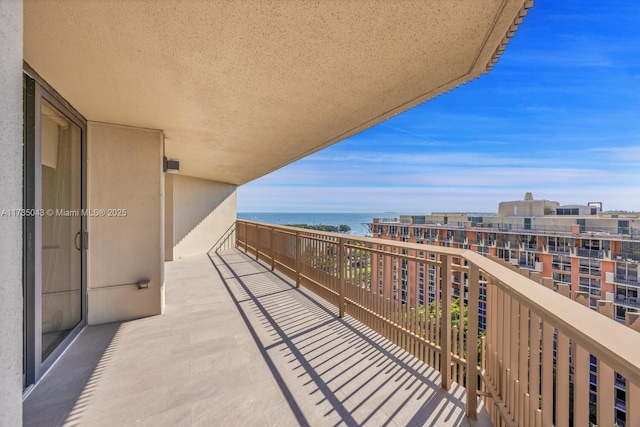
(78, 373)
(316, 340)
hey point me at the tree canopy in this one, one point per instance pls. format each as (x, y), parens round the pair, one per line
(342, 228)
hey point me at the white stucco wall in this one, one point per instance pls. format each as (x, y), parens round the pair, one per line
(202, 212)
(11, 227)
(124, 171)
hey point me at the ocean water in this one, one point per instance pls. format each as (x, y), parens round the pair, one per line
(353, 220)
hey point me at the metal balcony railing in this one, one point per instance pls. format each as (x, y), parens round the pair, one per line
(514, 368)
(628, 301)
(525, 264)
(626, 281)
(590, 253)
(633, 257)
(559, 250)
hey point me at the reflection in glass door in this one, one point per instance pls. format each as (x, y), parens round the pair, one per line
(61, 163)
(55, 228)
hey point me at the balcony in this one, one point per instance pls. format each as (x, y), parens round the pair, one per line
(531, 265)
(626, 281)
(633, 257)
(633, 302)
(590, 253)
(279, 328)
(559, 250)
(561, 267)
(240, 345)
(621, 279)
(513, 381)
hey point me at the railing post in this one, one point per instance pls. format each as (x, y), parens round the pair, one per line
(272, 241)
(341, 278)
(246, 238)
(445, 323)
(472, 340)
(298, 258)
(257, 242)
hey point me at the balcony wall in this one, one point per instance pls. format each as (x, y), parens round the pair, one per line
(531, 330)
(11, 198)
(198, 213)
(124, 171)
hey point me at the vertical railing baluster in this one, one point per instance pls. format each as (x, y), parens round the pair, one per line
(454, 351)
(257, 241)
(523, 368)
(633, 409)
(437, 313)
(581, 387)
(606, 412)
(473, 299)
(505, 358)
(562, 380)
(298, 258)
(445, 323)
(534, 369)
(491, 335)
(513, 357)
(547, 373)
(272, 248)
(246, 238)
(341, 274)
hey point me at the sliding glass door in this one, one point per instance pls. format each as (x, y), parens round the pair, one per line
(55, 236)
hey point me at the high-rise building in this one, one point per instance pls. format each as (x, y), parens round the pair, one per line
(595, 253)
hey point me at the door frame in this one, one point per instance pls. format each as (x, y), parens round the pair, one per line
(37, 89)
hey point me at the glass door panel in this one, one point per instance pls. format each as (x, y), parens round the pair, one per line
(61, 163)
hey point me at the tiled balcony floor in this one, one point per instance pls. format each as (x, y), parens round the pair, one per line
(239, 345)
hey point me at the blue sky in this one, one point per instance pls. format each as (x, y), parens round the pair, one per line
(559, 115)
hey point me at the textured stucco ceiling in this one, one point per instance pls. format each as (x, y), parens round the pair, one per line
(241, 88)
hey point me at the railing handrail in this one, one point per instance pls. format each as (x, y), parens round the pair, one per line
(603, 337)
(613, 343)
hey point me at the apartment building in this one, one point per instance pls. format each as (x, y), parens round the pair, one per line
(595, 253)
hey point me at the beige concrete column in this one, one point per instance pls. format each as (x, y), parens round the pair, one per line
(563, 289)
(126, 245)
(632, 320)
(11, 225)
(581, 298)
(606, 308)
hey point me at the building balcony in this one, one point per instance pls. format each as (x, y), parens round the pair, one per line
(535, 266)
(590, 253)
(559, 250)
(633, 302)
(239, 344)
(626, 256)
(625, 281)
(277, 327)
(621, 280)
(511, 379)
(525, 264)
(561, 267)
